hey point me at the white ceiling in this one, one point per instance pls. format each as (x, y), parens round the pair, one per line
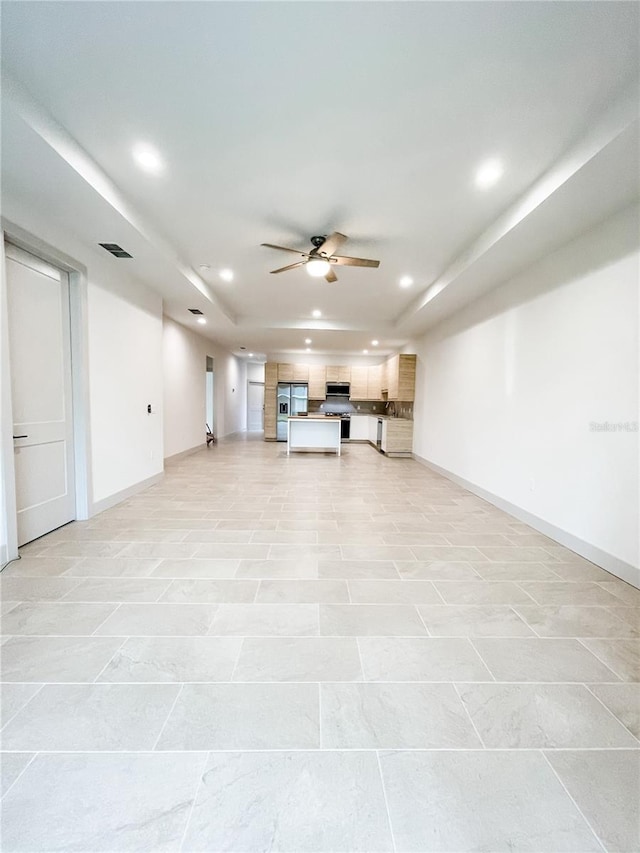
(281, 120)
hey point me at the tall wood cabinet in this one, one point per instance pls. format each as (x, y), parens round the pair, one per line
(270, 400)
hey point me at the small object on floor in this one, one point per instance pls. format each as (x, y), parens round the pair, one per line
(211, 439)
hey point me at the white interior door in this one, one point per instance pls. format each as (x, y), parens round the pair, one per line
(255, 406)
(40, 356)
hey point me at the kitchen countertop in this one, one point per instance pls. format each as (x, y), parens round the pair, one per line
(319, 416)
(322, 416)
(374, 415)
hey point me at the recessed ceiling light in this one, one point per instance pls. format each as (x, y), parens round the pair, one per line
(317, 314)
(365, 351)
(374, 343)
(202, 321)
(226, 274)
(308, 349)
(488, 174)
(147, 158)
(250, 355)
(307, 340)
(406, 281)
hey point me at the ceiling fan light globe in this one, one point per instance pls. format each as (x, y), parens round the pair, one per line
(317, 267)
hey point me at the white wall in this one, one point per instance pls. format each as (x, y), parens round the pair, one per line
(8, 531)
(118, 340)
(255, 372)
(506, 392)
(184, 355)
(125, 375)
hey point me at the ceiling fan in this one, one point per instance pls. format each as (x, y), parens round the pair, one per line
(319, 261)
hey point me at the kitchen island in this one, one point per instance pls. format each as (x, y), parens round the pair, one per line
(313, 432)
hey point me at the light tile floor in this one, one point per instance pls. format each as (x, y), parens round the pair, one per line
(315, 654)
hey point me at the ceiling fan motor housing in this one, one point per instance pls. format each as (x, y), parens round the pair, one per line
(318, 241)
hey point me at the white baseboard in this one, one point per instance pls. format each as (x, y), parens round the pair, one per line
(129, 492)
(621, 569)
(176, 456)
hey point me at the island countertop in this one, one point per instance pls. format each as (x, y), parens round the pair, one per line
(314, 416)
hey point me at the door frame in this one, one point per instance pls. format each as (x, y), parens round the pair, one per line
(78, 316)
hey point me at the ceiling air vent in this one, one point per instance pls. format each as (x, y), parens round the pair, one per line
(115, 250)
(196, 311)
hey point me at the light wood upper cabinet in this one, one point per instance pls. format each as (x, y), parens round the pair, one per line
(317, 382)
(407, 378)
(300, 372)
(393, 367)
(332, 372)
(374, 382)
(285, 373)
(384, 372)
(398, 377)
(344, 374)
(359, 384)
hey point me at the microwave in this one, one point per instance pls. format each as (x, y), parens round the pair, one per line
(338, 389)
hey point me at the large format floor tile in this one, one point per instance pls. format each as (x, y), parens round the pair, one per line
(299, 659)
(101, 802)
(56, 658)
(623, 700)
(13, 697)
(394, 716)
(178, 659)
(622, 656)
(266, 620)
(303, 592)
(531, 659)
(238, 657)
(55, 618)
(482, 620)
(567, 620)
(243, 716)
(489, 801)
(161, 620)
(12, 764)
(542, 716)
(311, 802)
(606, 787)
(114, 717)
(352, 620)
(428, 659)
(211, 591)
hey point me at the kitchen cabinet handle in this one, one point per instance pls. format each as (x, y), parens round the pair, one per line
(21, 436)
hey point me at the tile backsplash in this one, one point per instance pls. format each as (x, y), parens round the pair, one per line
(365, 407)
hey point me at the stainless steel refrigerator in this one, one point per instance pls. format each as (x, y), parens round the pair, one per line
(293, 398)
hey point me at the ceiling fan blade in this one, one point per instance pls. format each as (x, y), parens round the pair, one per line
(290, 267)
(331, 277)
(285, 249)
(331, 244)
(344, 261)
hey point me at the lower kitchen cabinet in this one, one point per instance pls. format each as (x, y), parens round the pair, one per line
(359, 428)
(397, 437)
